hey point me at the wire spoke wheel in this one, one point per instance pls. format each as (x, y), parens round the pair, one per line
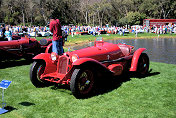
(82, 82)
(85, 81)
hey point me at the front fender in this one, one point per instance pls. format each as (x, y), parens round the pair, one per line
(43, 56)
(135, 59)
(84, 60)
(46, 57)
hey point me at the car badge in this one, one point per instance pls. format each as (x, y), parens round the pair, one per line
(108, 57)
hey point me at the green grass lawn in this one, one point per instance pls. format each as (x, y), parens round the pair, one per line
(126, 97)
(153, 96)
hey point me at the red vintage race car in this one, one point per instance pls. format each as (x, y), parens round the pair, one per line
(81, 69)
(19, 47)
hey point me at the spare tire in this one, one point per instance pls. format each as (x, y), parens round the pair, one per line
(43, 42)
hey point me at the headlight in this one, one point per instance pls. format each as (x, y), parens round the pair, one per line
(74, 57)
(54, 56)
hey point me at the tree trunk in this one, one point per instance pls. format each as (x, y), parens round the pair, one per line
(86, 17)
(23, 17)
(93, 21)
(31, 21)
(89, 19)
(99, 20)
(44, 17)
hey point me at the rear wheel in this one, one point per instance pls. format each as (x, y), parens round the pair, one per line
(82, 82)
(37, 69)
(143, 64)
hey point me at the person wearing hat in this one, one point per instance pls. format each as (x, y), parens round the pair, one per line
(57, 42)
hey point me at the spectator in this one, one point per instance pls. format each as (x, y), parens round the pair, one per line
(2, 32)
(55, 28)
(35, 30)
(123, 30)
(171, 28)
(64, 35)
(8, 33)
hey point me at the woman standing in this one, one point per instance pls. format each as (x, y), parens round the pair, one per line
(8, 33)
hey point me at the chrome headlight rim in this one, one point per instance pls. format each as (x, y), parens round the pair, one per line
(74, 57)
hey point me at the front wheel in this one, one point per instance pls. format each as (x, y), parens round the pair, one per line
(37, 69)
(82, 82)
(143, 64)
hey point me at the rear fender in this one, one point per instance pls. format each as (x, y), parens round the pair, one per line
(48, 48)
(135, 59)
(46, 57)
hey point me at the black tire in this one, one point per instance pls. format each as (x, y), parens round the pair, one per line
(82, 82)
(36, 70)
(143, 65)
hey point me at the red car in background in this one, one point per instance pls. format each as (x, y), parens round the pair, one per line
(22, 47)
(81, 69)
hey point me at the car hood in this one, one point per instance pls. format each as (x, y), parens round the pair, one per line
(99, 52)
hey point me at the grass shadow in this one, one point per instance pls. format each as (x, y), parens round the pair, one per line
(56, 86)
(150, 73)
(62, 88)
(108, 83)
(26, 103)
(111, 83)
(9, 108)
(14, 63)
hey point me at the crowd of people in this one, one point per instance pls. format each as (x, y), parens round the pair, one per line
(60, 33)
(74, 30)
(164, 29)
(8, 30)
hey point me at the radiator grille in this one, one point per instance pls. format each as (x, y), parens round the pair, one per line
(62, 65)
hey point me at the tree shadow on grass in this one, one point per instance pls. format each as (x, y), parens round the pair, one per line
(14, 63)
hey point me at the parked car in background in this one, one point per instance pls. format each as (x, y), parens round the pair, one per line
(22, 47)
(43, 34)
(40, 34)
(32, 34)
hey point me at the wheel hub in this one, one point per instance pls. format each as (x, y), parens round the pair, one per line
(85, 81)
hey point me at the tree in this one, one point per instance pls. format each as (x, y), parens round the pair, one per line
(89, 12)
